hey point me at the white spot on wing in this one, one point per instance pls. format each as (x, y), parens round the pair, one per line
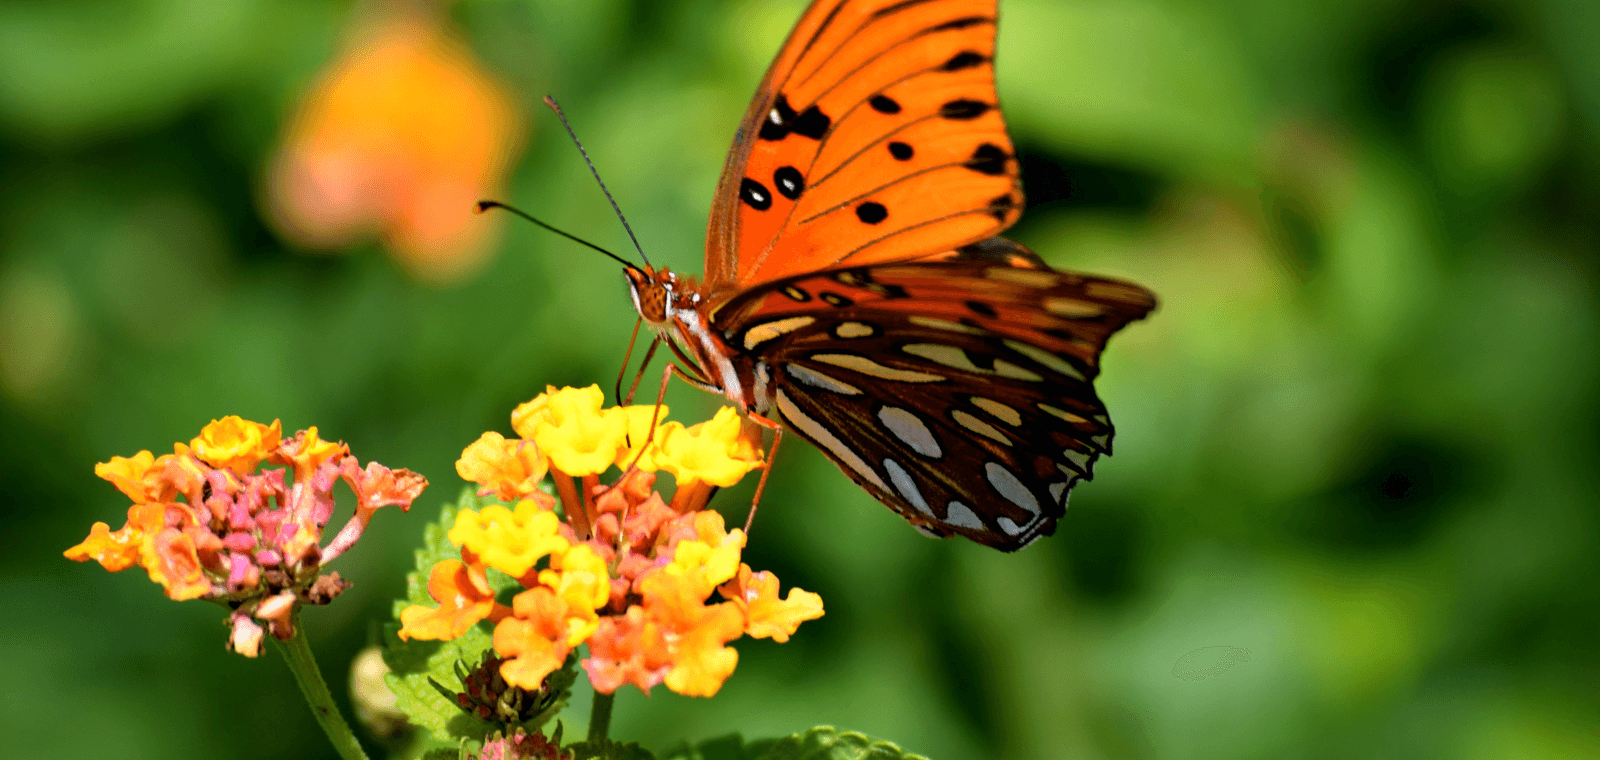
(1008, 525)
(962, 516)
(1033, 278)
(853, 330)
(1072, 308)
(1004, 368)
(762, 333)
(1001, 412)
(826, 439)
(869, 367)
(1063, 414)
(978, 426)
(911, 430)
(1046, 358)
(1006, 482)
(1079, 459)
(907, 487)
(1059, 490)
(816, 379)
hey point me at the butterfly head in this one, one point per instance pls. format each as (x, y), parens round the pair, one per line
(656, 294)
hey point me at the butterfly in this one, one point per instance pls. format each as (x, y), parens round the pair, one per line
(857, 295)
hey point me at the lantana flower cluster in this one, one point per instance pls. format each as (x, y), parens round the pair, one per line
(627, 572)
(206, 524)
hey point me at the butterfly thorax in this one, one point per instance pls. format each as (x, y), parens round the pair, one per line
(675, 309)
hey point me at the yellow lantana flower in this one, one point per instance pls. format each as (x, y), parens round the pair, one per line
(714, 558)
(571, 428)
(579, 578)
(236, 443)
(509, 541)
(713, 452)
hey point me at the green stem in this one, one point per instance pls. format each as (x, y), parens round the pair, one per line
(297, 653)
(600, 716)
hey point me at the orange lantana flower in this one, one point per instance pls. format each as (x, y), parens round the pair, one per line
(236, 443)
(402, 133)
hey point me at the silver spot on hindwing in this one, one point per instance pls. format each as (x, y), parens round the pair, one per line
(906, 486)
(1078, 459)
(1058, 491)
(1001, 412)
(1009, 486)
(956, 358)
(816, 379)
(927, 531)
(867, 366)
(825, 438)
(962, 516)
(1008, 525)
(1063, 414)
(979, 426)
(911, 430)
(764, 332)
(854, 330)
(1055, 363)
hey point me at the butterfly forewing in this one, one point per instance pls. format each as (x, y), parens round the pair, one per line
(876, 136)
(959, 392)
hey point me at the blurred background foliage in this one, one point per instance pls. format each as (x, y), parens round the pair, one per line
(1352, 512)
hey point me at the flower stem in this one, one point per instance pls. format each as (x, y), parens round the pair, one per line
(297, 653)
(600, 716)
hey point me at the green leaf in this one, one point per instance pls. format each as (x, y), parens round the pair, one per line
(415, 663)
(820, 743)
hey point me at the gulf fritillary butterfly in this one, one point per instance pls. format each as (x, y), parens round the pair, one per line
(855, 290)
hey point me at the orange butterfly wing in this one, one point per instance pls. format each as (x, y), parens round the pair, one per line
(876, 136)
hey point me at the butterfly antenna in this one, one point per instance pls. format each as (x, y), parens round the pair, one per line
(554, 106)
(486, 205)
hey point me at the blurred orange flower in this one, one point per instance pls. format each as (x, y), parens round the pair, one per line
(400, 135)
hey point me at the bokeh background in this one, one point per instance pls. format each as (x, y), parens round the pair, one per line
(1352, 511)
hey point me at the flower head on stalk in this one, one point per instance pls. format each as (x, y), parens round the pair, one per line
(206, 524)
(653, 586)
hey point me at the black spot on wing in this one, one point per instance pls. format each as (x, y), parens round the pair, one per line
(988, 159)
(901, 151)
(1001, 207)
(980, 307)
(812, 123)
(871, 212)
(884, 104)
(963, 109)
(755, 195)
(965, 59)
(779, 121)
(789, 181)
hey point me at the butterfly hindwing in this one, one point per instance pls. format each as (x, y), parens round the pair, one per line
(958, 392)
(876, 136)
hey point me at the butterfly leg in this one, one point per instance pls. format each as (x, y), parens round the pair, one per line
(766, 465)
